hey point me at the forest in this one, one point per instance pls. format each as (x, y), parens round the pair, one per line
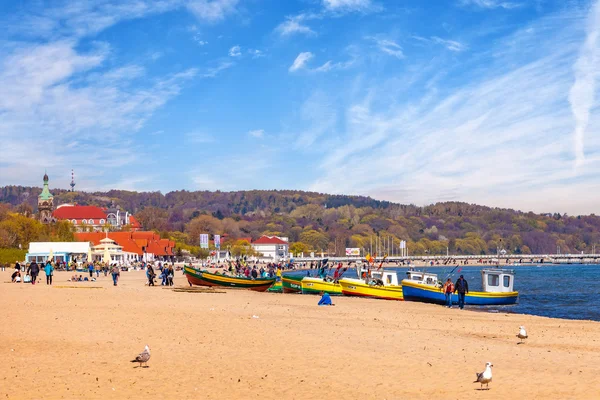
(320, 222)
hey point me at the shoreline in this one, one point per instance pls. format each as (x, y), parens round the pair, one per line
(61, 342)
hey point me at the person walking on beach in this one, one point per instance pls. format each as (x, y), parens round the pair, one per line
(91, 269)
(170, 275)
(448, 289)
(461, 287)
(115, 274)
(49, 270)
(34, 270)
(150, 275)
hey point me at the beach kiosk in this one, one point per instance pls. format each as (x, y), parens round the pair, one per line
(40, 252)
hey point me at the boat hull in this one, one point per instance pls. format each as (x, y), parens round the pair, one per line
(427, 294)
(291, 284)
(194, 277)
(357, 287)
(317, 285)
(203, 278)
(277, 287)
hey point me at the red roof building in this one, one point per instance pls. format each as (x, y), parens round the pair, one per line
(270, 240)
(147, 245)
(95, 219)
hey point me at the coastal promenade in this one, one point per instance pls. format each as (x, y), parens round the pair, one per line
(475, 259)
(76, 340)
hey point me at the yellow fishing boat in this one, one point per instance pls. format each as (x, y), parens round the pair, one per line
(311, 285)
(380, 285)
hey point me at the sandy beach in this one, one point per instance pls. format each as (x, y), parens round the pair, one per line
(75, 341)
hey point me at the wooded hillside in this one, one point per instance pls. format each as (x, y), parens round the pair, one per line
(321, 222)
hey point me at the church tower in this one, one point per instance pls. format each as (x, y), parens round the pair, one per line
(45, 203)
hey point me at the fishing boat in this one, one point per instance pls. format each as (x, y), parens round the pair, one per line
(291, 283)
(204, 278)
(497, 287)
(194, 276)
(277, 287)
(376, 284)
(312, 285)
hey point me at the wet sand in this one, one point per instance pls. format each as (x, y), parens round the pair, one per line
(75, 341)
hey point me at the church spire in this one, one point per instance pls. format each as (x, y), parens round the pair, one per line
(45, 202)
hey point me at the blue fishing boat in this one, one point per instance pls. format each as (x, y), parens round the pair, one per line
(497, 289)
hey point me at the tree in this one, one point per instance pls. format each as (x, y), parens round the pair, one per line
(62, 231)
(242, 248)
(317, 240)
(200, 225)
(203, 254)
(153, 218)
(299, 247)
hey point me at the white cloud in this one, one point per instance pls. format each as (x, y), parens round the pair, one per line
(295, 25)
(318, 112)
(490, 4)
(582, 93)
(255, 53)
(351, 5)
(451, 45)
(214, 71)
(257, 133)
(301, 60)
(235, 51)
(198, 39)
(156, 55)
(59, 96)
(388, 46)
(501, 131)
(212, 11)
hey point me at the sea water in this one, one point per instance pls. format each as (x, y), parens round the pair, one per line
(569, 291)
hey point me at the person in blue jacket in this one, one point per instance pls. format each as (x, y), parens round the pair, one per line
(49, 270)
(325, 300)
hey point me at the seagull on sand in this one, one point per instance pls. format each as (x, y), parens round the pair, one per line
(522, 334)
(485, 376)
(143, 357)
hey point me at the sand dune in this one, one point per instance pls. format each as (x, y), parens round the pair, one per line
(76, 342)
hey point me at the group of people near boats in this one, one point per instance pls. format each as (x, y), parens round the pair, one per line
(241, 269)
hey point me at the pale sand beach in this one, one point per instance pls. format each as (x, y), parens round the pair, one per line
(75, 341)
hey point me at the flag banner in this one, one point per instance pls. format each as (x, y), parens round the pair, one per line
(204, 241)
(218, 241)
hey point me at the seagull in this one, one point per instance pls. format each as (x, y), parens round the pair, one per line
(522, 334)
(143, 357)
(485, 376)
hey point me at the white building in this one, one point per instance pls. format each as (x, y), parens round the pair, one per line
(57, 251)
(272, 248)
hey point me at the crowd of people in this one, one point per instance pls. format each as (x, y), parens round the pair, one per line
(29, 273)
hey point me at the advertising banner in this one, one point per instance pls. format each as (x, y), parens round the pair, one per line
(204, 240)
(352, 251)
(218, 241)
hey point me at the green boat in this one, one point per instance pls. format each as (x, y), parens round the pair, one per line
(291, 283)
(277, 287)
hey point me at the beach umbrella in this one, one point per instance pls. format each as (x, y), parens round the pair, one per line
(51, 255)
(106, 256)
(89, 255)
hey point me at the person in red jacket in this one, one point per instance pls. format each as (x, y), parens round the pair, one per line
(448, 289)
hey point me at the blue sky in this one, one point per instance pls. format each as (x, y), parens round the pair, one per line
(485, 101)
